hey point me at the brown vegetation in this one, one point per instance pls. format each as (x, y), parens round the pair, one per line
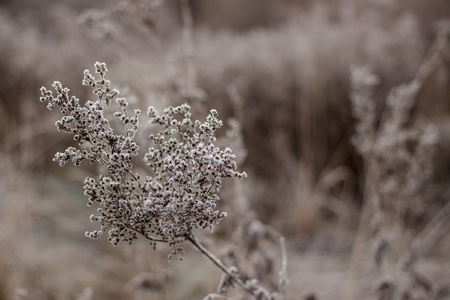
(337, 110)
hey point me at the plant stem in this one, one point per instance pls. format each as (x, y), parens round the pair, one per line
(188, 25)
(150, 238)
(218, 263)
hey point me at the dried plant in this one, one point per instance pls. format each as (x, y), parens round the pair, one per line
(398, 161)
(186, 172)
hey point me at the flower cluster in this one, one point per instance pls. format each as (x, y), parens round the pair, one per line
(90, 127)
(186, 169)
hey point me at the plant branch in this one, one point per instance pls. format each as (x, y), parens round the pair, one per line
(188, 25)
(151, 238)
(218, 263)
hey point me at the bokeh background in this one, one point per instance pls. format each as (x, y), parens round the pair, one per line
(278, 74)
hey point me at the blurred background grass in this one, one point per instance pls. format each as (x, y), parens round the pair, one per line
(278, 68)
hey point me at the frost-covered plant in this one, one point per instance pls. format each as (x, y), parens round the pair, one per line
(185, 173)
(399, 164)
(186, 168)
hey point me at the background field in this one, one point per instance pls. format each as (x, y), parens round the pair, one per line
(278, 72)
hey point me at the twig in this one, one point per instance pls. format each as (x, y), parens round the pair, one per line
(188, 25)
(423, 242)
(283, 272)
(151, 238)
(218, 263)
(359, 243)
(433, 58)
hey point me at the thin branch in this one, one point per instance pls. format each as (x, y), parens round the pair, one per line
(422, 241)
(359, 242)
(218, 263)
(188, 25)
(151, 238)
(433, 58)
(283, 272)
